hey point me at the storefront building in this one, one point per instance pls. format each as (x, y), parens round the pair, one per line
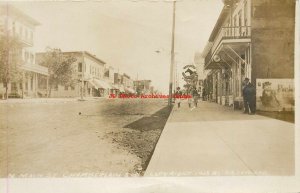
(88, 75)
(253, 39)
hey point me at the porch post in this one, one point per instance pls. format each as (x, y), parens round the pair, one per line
(47, 87)
(36, 84)
(23, 83)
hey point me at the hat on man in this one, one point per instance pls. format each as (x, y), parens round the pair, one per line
(246, 79)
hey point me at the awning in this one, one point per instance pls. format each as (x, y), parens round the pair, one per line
(100, 84)
(35, 68)
(130, 90)
(93, 84)
(114, 86)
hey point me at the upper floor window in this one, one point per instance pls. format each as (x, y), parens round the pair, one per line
(80, 67)
(31, 58)
(240, 18)
(245, 12)
(26, 33)
(21, 31)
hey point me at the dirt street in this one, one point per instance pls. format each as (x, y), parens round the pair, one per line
(73, 138)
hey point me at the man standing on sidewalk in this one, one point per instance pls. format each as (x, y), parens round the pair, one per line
(249, 97)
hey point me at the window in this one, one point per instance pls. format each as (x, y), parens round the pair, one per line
(66, 87)
(72, 88)
(21, 86)
(31, 58)
(245, 12)
(26, 56)
(21, 31)
(26, 33)
(14, 28)
(14, 86)
(31, 83)
(80, 67)
(56, 87)
(26, 85)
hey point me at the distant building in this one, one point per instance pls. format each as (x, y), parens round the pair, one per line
(127, 82)
(88, 73)
(251, 38)
(119, 88)
(17, 24)
(142, 86)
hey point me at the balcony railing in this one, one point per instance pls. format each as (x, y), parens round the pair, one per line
(234, 33)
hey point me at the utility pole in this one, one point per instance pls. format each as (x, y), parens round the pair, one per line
(7, 52)
(172, 57)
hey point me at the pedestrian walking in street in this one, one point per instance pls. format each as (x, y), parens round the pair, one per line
(178, 95)
(249, 95)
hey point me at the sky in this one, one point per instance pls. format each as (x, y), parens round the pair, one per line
(126, 34)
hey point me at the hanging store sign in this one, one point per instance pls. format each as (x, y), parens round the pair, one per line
(189, 72)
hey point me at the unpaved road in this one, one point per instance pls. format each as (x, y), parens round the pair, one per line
(72, 138)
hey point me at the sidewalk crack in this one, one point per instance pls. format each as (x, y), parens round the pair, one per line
(236, 154)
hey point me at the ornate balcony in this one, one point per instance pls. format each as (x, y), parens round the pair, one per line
(232, 34)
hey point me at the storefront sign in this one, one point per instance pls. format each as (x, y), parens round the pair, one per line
(275, 94)
(189, 72)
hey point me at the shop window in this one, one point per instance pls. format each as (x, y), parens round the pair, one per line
(66, 87)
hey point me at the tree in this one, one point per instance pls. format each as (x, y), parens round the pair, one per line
(10, 60)
(59, 67)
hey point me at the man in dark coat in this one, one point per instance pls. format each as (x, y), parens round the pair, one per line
(249, 95)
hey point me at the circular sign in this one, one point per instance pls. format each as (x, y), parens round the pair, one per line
(217, 58)
(190, 72)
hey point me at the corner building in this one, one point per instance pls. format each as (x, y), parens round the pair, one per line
(251, 38)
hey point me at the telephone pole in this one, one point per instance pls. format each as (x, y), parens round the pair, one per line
(172, 57)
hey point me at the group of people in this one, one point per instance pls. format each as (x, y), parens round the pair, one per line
(192, 99)
(249, 97)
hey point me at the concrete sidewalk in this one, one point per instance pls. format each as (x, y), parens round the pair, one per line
(215, 140)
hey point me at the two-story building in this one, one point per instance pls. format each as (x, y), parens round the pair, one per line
(17, 24)
(127, 82)
(88, 74)
(253, 39)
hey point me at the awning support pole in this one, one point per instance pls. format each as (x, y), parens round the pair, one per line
(237, 54)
